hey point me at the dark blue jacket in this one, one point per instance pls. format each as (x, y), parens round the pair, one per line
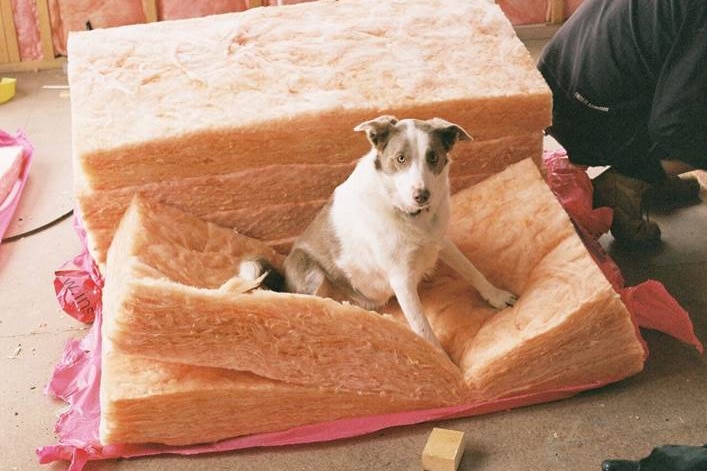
(636, 70)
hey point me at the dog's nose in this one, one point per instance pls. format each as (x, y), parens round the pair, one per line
(421, 196)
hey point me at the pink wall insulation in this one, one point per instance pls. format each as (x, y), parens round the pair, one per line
(519, 12)
(284, 2)
(571, 6)
(175, 9)
(24, 13)
(72, 15)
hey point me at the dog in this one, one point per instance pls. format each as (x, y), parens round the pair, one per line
(385, 227)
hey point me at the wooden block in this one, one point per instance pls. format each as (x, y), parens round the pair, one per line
(443, 451)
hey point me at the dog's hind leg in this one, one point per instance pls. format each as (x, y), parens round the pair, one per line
(304, 275)
(452, 256)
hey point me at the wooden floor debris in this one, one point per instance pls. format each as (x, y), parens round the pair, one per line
(443, 451)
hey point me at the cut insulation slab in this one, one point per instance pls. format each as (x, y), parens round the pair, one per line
(568, 323)
(174, 103)
(172, 294)
(174, 311)
(147, 401)
(171, 301)
(282, 211)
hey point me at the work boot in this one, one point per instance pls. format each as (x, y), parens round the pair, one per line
(664, 458)
(674, 192)
(625, 196)
(620, 465)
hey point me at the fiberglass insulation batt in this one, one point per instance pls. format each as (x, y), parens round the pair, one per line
(182, 333)
(269, 361)
(246, 119)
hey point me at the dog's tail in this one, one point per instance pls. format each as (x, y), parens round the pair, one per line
(252, 269)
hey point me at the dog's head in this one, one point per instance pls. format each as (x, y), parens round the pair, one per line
(411, 158)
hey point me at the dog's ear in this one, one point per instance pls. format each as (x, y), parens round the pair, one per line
(449, 133)
(378, 130)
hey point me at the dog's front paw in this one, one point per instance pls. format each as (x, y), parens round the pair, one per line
(501, 299)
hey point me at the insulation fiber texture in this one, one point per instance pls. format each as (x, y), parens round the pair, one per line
(278, 360)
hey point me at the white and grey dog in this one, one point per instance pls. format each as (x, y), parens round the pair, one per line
(384, 228)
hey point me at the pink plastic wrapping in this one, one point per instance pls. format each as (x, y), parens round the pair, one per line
(78, 283)
(76, 378)
(8, 207)
(650, 303)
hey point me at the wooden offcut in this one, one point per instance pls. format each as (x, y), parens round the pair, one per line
(443, 451)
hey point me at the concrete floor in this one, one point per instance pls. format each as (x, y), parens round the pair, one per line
(667, 403)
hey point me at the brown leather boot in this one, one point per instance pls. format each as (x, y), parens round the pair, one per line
(674, 192)
(626, 195)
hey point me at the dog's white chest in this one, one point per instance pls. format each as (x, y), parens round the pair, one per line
(369, 279)
(369, 268)
(375, 242)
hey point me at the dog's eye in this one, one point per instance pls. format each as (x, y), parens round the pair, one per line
(400, 158)
(432, 158)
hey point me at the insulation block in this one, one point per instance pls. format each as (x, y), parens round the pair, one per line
(567, 323)
(145, 401)
(212, 350)
(167, 107)
(174, 310)
(172, 294)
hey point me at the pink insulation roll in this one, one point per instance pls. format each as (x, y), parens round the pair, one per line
(176, 10)
(24, 13)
